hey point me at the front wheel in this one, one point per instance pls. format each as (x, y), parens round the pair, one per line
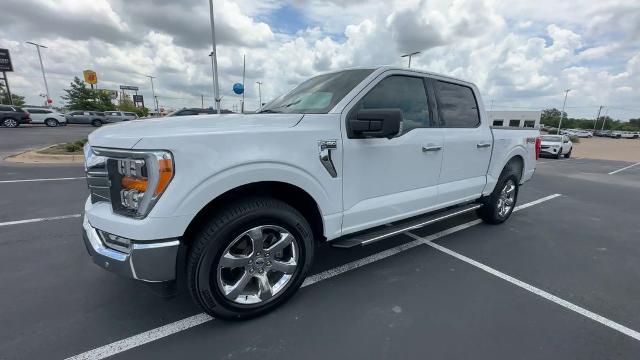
(250, 258)
(498, 206)
(96, 123)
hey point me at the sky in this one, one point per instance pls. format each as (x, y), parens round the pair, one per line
(521, 54)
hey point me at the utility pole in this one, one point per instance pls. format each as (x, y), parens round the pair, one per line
(597, 118)
(153, 91)
(202, 100)
(214, 59)
(44, 77)
(243, 88)
(410, 55)
(566, 92)
(259, 93)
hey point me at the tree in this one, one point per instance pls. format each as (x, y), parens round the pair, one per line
(127, 105)
(551, 117)
(80, 97)
(4, 97)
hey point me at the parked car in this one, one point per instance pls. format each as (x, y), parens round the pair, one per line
(94, 118)
(117, 116)
(556, 146)
(616, 134)
(49, 117)
(602, 133)
(13, 116)
(336, 159)
(583, 133)
(629, 135)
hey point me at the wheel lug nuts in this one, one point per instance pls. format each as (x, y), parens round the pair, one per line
(268, 263)
(251, 270)
(266, 254)
(250, 261)
(260, 271)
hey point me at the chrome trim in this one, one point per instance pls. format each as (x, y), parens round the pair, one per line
(324, 152)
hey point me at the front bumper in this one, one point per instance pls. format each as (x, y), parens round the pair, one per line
(147, 261)
(549, 151)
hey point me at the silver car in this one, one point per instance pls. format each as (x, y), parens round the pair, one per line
(116, 116)
(94, 118)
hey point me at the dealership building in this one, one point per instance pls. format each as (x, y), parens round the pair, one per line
(529, 119)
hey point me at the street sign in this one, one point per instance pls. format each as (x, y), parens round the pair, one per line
(138, 99)
(90, 77)
(5, 60)
(238, 88)
(128, 87)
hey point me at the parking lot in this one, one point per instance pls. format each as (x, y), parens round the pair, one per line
(559, 280)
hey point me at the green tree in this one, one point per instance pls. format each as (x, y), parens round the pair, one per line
(551, 117)
(4, 97)
(127, 105)
(80, 97)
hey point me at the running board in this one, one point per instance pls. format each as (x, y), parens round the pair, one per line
(399, 227)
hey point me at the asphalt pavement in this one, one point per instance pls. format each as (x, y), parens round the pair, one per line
(559, 280)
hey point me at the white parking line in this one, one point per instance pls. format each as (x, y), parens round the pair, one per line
(624, 168)
(17, 222)
(33, 180)
(184, 324)
(571, 306)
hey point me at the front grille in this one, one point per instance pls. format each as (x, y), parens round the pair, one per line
(98, 181)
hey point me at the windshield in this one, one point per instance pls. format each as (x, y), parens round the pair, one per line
(317, 95)
(551, 138)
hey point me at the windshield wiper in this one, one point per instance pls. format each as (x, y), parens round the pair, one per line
(280, 107)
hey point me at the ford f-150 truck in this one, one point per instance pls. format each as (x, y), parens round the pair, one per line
(234, 205)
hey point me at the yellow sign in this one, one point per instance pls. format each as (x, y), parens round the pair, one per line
(90, 77)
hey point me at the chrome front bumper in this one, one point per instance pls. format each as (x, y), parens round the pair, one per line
(147, 261)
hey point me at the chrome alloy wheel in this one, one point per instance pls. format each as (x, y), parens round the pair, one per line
(257, 265)
(507, 198)
(10, 123)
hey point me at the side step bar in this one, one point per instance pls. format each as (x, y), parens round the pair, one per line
(402, 226)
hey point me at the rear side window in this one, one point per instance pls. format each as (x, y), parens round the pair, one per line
(457, 105)
(5, 108)
(401, 92)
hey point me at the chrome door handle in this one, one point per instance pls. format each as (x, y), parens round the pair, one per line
(431, 148)
(479, 146)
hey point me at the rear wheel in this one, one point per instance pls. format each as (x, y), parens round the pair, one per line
(96, 123)
(10, 123)
(51, 122)
(500, 204)
(250, 258)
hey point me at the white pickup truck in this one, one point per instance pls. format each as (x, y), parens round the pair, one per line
(234, 205)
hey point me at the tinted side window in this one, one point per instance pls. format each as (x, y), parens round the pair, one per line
(5, 108)
(401, 92)
(457, 105)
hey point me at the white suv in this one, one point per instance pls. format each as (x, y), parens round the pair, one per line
(49, 117)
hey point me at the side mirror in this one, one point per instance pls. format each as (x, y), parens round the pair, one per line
(374, 123)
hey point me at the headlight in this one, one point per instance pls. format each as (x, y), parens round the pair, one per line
(137, 179)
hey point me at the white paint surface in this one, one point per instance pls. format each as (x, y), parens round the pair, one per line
(624, 168)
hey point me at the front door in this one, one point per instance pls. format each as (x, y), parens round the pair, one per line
(389, 179)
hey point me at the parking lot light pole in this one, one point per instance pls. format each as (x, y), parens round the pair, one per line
(259, 93)
(214, 59)
(566, 92)
(153, 91)
(410, 55)
(44, 77)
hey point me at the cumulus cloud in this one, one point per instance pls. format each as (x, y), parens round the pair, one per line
(519, 53)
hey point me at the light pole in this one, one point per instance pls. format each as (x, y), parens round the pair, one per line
(566, 92)
(410, 55)
(153, 92)
(44, 77)
(214, 59)
(604, 118)
(597, 118)
(259, 93)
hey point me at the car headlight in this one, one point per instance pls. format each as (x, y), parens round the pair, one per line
(137, 179)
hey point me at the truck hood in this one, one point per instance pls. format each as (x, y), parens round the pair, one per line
(125, 135)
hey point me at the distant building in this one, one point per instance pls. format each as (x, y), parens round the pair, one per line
(515, 118)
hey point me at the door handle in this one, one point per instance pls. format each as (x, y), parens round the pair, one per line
(431, 148)
(483, 145)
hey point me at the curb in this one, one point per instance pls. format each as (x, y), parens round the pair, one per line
(33, 157)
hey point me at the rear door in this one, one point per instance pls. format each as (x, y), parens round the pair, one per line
(37, 115)
(390, 179)
(467, 143)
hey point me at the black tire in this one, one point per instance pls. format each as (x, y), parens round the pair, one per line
(568, 155)
(10, 123)
(214, 239)
(51, 122)
(559, 153)
(96, 122)
(489, 212)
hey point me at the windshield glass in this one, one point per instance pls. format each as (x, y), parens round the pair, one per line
(552, 138)
(319, 94)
